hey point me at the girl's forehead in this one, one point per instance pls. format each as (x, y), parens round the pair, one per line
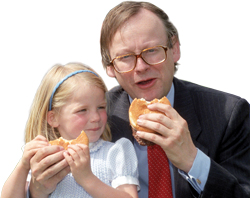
(87, 90)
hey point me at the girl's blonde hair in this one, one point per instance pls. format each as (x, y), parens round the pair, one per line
(37, 121)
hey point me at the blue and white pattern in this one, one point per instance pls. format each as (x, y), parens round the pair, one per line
(113, 163)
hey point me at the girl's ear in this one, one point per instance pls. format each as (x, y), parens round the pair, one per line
(51, 119)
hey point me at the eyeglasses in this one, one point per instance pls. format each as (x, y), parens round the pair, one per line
(151, 56)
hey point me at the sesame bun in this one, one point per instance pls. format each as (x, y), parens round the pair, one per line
(137, 108)
(81, 139)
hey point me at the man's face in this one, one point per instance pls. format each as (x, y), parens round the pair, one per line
(141, 31)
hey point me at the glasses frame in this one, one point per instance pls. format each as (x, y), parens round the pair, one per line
(139, 56)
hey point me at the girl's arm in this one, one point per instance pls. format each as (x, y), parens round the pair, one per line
(16, 185)
(79, 161)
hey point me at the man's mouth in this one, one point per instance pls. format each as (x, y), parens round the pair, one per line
(146, 83)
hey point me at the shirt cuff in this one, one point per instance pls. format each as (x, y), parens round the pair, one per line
(198, 174)
(28, 192)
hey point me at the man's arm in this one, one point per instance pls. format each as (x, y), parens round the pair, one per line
(48, 168)
(230, 171)
(230, 163)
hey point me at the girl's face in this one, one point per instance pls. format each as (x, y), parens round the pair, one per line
(86, 110)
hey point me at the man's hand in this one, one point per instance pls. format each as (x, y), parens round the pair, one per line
(31, 148)
(48, 168)
(175, 138)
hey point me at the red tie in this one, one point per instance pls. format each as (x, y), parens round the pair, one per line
(159, 184)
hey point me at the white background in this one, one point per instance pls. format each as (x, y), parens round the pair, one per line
(34, 35)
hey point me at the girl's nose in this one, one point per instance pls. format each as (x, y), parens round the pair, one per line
(95, 116)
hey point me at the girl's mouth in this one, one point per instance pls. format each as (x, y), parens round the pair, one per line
(94, 129)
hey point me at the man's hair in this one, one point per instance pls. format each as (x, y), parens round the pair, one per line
(122, 13)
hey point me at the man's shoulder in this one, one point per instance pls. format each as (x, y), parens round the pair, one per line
(197, 90)
(117, 90)
(117, 93)
(117, 97)
(204, 99)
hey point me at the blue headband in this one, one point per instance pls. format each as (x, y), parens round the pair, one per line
(65, 78)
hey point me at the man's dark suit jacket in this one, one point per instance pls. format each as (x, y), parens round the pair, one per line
(220, 127)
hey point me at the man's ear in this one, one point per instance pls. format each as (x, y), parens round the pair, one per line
(51, 119)
(176, 50)
(110, 71)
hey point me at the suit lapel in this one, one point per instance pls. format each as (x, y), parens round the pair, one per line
(119, 114)
(184, 105)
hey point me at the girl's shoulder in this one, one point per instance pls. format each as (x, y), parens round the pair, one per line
(123, 142)
(121, 147)
(99, 144)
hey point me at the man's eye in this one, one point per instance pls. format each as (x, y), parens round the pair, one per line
(125, 58)
(154, 50)
(151, 50)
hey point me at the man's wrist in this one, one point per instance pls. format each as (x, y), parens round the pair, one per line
(198, 174)
(35, 193)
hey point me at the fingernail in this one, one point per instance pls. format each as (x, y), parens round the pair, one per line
(61, 148)
(140, 117)
(139, 121)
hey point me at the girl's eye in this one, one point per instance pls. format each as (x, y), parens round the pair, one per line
(102, 107)
(83, 110)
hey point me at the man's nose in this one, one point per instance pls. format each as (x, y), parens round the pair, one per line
(141, 65)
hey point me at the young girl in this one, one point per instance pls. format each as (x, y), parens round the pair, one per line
(70, 99)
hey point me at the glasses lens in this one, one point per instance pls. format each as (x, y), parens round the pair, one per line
(125, 63)
(154, 55)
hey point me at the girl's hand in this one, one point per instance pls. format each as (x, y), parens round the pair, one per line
(31, 148)
(78, 159)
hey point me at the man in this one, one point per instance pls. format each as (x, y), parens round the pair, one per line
(205, 135)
